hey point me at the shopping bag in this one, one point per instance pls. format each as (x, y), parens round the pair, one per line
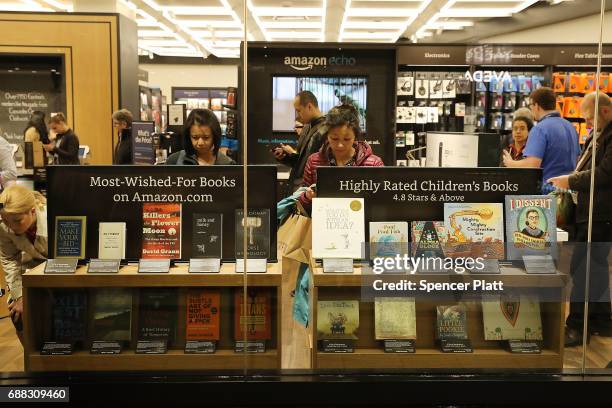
(294, 238)
(566, 209)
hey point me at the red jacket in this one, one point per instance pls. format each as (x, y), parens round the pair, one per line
(364, 158)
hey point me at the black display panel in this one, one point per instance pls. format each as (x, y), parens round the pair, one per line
(117, 194)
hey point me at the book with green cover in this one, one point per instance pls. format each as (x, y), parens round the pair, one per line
(337, 319)
(510, 317)
(451, 322)
(394, 318)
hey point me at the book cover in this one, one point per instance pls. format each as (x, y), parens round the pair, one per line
(258, 317)
(257, 225)
(111, 240)
(474, 230)
(531, 225)
(510, 317)
(157, 314)
(70, 236)
(112, 314)
(388, 238)
(337, 319)
(451, 322)
(428, 239)
(161, 231)
(203, 311)
(394, 318)
(338, 228)
(207, 236)
(69, 312)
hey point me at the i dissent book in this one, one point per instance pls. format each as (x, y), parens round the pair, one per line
(394, 318)
(203, 311)
(428, 239)
(206, 240)
(451, 322)
(475, 229)
(257, 223)
(157, 314)
(111, 240)
(337, 319)
(258, 319)
(509, 317)
(388, 239)
(531, 225)
(70, 236)
(338, 228)
(112, 314)
(161, 231)
(69, 315)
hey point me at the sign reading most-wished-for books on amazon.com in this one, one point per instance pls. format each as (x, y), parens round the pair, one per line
(135, 195)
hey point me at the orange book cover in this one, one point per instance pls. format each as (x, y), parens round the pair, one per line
(560, 104)
(575, 82)
(259, 314)
(559, 79)
(588, 83)
(604, 82)
(203, 310)
(571, 108)
(161, 231)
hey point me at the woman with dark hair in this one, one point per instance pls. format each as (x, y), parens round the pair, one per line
(201, 141)
(65, 150)
(36, 129)
(342, 148)
(521, 125)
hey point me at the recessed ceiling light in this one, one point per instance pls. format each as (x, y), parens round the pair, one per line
(10, 70)
(16, 68)
(34, 71)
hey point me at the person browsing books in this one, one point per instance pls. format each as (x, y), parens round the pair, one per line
(201, 141)
(579, 181)
(521, 126)
(552, 144)
(122, 122)
(65, 150)
(23, 242)
(342, 148)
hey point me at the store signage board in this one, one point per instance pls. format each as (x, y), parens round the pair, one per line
(431, 55)
(119, 193)
(61, 266)
(105, 347)
(143, 149)
(200, 347)
(493, 54)
(338, 345)
(52, 348)
(204, 265)
(338, 265)
(189, 94)
(253, 265)
(104, 266)
(250, 346)
(154, 266)
(419, 193)
(524, 347)
(151, 347)
(539, 264)
(456, 346)
(400, 346)
(577, 55)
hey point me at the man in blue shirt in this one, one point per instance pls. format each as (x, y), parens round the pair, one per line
(552, 143)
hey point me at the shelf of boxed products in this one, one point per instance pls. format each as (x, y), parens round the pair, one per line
(510, 276)
(173, 360)
(128, 276)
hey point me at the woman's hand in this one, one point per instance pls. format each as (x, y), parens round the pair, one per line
(310, 194)
(16, 309)
(49, 147)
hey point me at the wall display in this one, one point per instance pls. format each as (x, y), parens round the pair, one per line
(146, 103)
(69, 312)
(161, 231)
(338, 228)
(203, 314)
(452, 150)
(511, 317)
(405, 84)
(413, 194)
(337, 319)
(112, 314)
(70, 236)
(388, 238)
(176, 114)
(428, 238)
(143, 145)
(258, 320)
(111, 240)
(207, 238)
(451, 322)
(214, 99)
(475, 229)
(117, 193)
(395, 318)
(257, 224)
(531, 225)
(157, 315)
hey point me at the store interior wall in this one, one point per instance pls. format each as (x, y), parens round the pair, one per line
(574, 31)
(166, 76)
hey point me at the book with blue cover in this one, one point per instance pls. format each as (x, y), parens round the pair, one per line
(531, 225)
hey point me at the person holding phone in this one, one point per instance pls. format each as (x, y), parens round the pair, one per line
(23, 242)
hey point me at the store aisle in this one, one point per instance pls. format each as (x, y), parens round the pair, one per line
(11, 352)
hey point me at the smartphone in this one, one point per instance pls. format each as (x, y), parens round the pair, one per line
(313, 187)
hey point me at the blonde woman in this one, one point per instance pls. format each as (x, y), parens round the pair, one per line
(23, 241)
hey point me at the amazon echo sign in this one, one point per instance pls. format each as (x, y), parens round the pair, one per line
(309, 63)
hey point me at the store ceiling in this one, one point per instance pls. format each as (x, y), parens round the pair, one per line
(215, 27)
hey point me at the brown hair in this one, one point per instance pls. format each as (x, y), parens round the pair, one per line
(123, 115)
(17, 199)
(545, 97)
(57, 118)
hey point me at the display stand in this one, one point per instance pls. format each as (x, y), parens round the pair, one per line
(36, 287)
(370, 353)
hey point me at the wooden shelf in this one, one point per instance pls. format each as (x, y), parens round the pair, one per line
(128, 276)
(433, 358)
(172, 360)
(511, 277)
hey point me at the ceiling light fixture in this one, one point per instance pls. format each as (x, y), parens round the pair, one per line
(323, 19)
(347, 8)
